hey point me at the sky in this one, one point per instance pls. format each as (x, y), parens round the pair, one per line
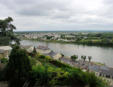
(53, 15)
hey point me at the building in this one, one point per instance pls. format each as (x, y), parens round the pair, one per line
(28, 48)
(43, 49)
(5, 51)
(54, 55)
(2, 53)
(103, 71)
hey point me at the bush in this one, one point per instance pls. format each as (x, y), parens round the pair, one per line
(64, 75)
(40, 76)
(18, 68)
(74, 57)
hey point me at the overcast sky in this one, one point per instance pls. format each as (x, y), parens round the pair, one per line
(59, 14)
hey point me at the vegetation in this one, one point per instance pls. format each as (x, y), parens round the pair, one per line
(74, 57)
(4, 40)
(84, 58)
(33, 70)
(98, 39)
(19, 67)
(84, 38)
(54, 73)
(89, 58)
(6, 32)
(43, 71)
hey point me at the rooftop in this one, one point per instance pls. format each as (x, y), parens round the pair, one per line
(43, 47)
(52, 53)
(2, 51)
(102, 69)
(5, 48)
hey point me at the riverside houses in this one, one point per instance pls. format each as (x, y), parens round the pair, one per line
(54, 55)
(46, 51)
(103, 71)
(43, 49)
(28, 48)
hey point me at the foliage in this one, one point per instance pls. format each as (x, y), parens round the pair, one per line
(96, 82)
(50, 73)
(18, 68)
(74, 57)
(34, 51)
(4, 40)
(54, 73)
(83, 57)
(84, 38)
(40, 76)
(6, 27)
(6, 31)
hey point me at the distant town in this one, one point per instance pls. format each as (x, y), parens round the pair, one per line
(86, 38)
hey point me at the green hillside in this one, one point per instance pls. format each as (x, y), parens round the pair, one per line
(35, 70)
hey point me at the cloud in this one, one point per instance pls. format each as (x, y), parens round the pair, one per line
(59, 14)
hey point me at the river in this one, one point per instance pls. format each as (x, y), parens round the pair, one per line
(99, 54)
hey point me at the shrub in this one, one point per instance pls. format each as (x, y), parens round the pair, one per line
(18, 68)
(74, 57)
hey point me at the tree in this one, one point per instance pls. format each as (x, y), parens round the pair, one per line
(62, 36)
(18, 68)
(34, 52)
(83, 57)
(6, 27)
(74, 57)
(62, 55)
(89, 58)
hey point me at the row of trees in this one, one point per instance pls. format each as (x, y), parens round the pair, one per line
(75, 57)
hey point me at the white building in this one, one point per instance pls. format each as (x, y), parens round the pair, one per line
(5, 51)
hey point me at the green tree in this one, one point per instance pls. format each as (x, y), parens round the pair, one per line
(74, 57)
(6, 30)
(34, 51)
(89, 58)
(62, 36)
(18, 68)
(6, 27)
(84, 58)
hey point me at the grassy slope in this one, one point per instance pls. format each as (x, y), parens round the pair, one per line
(51, 72)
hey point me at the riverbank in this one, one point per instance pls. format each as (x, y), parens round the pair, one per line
(99, 54)
(100, 69)
(74, 42)
(56, 73)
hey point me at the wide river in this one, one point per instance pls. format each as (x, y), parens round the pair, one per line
(99, 54)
